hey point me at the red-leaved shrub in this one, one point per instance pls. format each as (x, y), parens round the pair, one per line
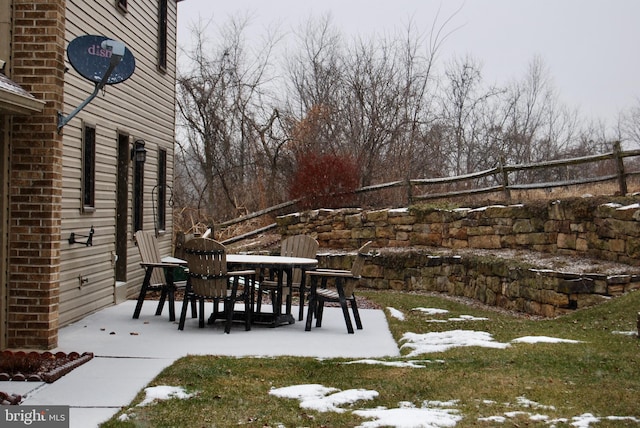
(324, 181)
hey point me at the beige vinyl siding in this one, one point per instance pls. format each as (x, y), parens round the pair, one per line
(142, 107)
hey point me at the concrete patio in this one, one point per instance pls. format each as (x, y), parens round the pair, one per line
(129, 353)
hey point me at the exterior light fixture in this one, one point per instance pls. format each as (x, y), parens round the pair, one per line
(138, 152)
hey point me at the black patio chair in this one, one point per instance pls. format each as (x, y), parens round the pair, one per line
(345, 283)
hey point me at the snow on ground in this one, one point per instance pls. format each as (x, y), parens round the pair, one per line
(626, 333)
(542, 339)
(314, 396)
(396, 313)
(467, 318)
(435, 311)
(429, 413)
(620, 207)
(431, 311)
(408, 416)
(155, 393)
(405, 364)
(426, 343)
(525, 402)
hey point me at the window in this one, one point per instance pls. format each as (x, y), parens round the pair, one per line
(89, 168)
(162, 35)
(162, 191)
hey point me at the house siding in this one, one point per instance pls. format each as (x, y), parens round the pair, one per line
(50, 281)
(142, 107)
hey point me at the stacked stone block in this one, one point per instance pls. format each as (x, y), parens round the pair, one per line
(603, 231)
(408, 240)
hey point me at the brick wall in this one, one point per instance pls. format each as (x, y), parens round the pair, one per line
(35, 190)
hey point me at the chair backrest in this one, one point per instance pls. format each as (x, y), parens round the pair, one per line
(180, 239)
(356, 269)
(299, 246)
(358, 263)
(207, 263)
(149, 253)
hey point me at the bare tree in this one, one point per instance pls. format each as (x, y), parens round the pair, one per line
(368, 99)
(246, 124)
(463, 104)
(314, 83)
(387, 103)
(372, 104)
(629, 126)
(226, 124)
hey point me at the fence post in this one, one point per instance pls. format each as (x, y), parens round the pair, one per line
(622, 182)
(505, 180)
(409, 192)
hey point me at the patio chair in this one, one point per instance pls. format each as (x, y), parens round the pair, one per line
(208, 279)
(158, 275)
(345, 284)
(293, 246)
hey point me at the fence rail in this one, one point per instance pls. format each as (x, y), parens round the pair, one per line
(500, 174)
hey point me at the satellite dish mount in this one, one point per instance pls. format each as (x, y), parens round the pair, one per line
(89, 55)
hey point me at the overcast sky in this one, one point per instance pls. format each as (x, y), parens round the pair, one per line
(590, 47)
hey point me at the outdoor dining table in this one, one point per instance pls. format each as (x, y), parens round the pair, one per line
(278, 265)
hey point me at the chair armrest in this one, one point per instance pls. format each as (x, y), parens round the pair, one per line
(241, 272)
(270, 283)
(160, 265)
(173, 260)
(330, 273)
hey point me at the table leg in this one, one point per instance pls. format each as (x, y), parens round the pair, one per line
(286, 317)
(289, 296)
(277, 305)
(302, 292)
(277, 317)
(171, 289)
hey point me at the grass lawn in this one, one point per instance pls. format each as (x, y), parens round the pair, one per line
(523, 384)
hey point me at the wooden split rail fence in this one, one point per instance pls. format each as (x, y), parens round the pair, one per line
(500, 174)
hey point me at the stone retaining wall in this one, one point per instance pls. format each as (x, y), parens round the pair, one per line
(577, 228)
(493, 281)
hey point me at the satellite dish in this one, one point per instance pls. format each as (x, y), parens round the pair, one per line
(92, 56)
(101, 60)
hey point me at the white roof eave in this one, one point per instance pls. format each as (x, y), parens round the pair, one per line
(15, 100)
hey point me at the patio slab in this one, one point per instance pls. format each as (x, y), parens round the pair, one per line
(129, 353)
